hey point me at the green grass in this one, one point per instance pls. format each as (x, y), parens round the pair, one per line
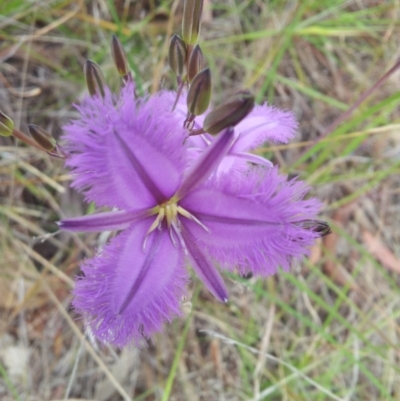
(302, 335)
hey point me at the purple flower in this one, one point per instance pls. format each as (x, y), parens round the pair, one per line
(263, 124)
(132, 155)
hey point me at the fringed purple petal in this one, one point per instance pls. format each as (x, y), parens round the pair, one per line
(126, 152)
(264, 123)
(256, 224)
(103, 221)
(127, 292)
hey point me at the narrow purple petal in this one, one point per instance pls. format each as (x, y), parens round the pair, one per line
(207, 272)
(103, 221)
(254, 224)
(127, 292)
(207, 163)
(141, 170)
(125, 152)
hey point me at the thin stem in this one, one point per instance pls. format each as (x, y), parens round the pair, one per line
(354, 106)
(178, 93)
(179, 351)
(24, 138)
(74, 368)
(357, 103)
(58, 152)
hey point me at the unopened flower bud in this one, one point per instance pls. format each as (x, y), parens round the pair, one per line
(42, 137)
(199, 94)
(196, 62)
(177, 55)
(94, 78)
(191, 20)
(322, 228)
(6, 125)
(119, 57)
(229, 113)
(318, 226)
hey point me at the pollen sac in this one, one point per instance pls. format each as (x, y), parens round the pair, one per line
(177, 55)
(42, 137)
(199, 94)
(119, 57)
(6, 125)
(191, 20)
(229, 113)
(94, 78)
(196, 62)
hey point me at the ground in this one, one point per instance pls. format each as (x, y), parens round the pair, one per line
(328, 330)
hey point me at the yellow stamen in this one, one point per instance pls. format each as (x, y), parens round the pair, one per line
(170, 211)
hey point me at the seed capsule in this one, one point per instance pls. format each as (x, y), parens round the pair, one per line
(177, 55)
(119, 57)
(42, 137)
(6, 125)
(94, 78)
(191, 20)
(196, 62)
(229, 113)
(199, 94)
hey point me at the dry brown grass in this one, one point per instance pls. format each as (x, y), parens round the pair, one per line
(327, 331)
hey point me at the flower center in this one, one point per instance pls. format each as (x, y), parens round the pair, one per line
(170, 211)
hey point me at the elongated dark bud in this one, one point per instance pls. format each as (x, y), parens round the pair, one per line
(196, 62)
(6, 125)
(191, 20)
(318, 226)
(94, 79)
(39, 139)
(42, 137)
(46, 141)
(229, 113)
(177, 55)
(322, 228)
(120, 60)
(199, 96)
